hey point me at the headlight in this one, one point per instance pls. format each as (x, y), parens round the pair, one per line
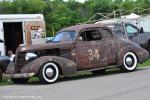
(30, 56)
(12, 57)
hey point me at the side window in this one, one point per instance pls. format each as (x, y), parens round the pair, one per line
(107, 33)
(131, 30)
(91, 35)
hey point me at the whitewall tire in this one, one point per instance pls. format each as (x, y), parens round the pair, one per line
(130, 62)
(48, 73)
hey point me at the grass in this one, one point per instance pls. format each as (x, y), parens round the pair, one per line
(147, 63)
(6, 81)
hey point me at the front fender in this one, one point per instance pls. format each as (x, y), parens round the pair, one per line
(66, 66)
(141, 54)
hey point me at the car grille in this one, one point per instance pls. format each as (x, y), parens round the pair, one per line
(20, 61)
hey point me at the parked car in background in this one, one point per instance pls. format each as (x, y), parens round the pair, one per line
(4, 61)
(134, 34)
(76, 48)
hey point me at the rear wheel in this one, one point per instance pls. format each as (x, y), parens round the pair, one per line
(129, 62)
(102, 71)
(19, 80)
(48, 73)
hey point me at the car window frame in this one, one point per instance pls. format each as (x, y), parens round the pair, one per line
(112, 35)
(122, 30)
(88, 29)
(133, 27)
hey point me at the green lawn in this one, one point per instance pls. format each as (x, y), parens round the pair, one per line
(147, 63)
(6, 81)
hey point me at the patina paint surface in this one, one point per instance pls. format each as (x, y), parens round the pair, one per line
(77, 55)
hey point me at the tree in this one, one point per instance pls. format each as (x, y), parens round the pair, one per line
(59, 14)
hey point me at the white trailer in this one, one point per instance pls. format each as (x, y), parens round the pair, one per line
(16, 29)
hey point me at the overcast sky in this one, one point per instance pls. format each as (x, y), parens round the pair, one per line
(77, 0)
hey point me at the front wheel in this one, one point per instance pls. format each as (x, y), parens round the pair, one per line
(129, 62)
(48, 73)
(19, 80)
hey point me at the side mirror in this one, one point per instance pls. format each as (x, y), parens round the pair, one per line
(80, 38)
(141, 30)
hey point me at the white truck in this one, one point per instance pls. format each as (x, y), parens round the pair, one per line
(16, 29)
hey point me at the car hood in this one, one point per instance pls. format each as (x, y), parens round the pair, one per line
(51, 45)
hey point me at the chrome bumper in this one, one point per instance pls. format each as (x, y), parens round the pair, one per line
(21, 75)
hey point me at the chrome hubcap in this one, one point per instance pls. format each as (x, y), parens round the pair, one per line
(49, 72)
(129, 61)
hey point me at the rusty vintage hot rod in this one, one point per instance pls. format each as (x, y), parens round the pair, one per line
(75, 48)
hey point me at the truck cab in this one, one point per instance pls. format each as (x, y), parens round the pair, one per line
(138, 36)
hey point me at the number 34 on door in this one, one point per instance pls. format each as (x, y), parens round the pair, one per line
(92, 54)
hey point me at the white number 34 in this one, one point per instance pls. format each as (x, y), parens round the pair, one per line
(93, 54)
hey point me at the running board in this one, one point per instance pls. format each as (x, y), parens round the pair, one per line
(107, 67)
(22, 75)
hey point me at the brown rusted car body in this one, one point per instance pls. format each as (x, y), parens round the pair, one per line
(76, 55)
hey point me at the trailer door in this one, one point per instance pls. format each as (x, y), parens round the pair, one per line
(35, 32)
(2, 47)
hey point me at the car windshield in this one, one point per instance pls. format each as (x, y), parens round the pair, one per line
(65, 36)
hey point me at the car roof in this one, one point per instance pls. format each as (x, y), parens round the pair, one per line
(78, 28)
(116, 23)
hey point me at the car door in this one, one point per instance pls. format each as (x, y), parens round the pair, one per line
(91, 49)
(111, 46)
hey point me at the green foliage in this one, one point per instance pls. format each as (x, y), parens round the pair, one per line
(59, 14)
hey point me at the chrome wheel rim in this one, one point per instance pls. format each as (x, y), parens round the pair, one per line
(129, 61)
(49, 72)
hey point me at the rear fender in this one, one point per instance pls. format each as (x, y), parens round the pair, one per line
(66, 66)
(141, 54)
